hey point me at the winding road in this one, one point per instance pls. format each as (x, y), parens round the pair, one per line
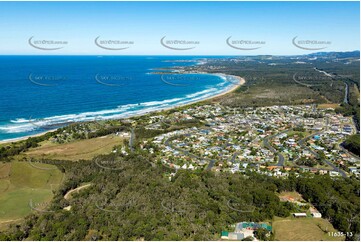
(187, 153)
(281, 158)
(68, 194)
(302, 144)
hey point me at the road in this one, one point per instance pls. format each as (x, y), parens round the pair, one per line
(67, 195)
(266, 143)
(325, 73)
(131, 139)
(333, 76)
(302, 144)
(345, 99)
(281, 158)
(234, 157)
(187, 153)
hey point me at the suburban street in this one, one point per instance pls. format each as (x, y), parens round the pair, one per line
(302, 143)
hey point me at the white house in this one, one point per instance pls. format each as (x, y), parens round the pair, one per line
(317, 215)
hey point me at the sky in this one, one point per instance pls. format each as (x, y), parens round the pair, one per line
(272, 25)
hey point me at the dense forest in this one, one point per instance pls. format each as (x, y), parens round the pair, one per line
(352, 143)
(130, 199)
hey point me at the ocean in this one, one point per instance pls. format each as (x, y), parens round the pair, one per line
(39, 93)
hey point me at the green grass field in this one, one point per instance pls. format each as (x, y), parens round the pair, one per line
(303, 229)
(77, 150)
(300, 134)
(21, 183)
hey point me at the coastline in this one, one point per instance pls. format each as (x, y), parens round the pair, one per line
(241, 81)
(25, 137)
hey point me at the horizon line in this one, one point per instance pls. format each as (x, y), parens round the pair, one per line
(179, 55)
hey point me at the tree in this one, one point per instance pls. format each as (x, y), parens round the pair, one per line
(352, 143)
(261, 234)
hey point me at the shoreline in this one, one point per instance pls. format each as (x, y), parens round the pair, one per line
(26, 137)
(241, 81)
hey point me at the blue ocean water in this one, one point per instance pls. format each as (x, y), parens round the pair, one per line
(38, 92)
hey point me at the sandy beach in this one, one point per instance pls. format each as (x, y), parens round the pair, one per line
(26, 137)
(241, 82)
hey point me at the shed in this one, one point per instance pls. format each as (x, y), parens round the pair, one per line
(224, 235)
(299, 215)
